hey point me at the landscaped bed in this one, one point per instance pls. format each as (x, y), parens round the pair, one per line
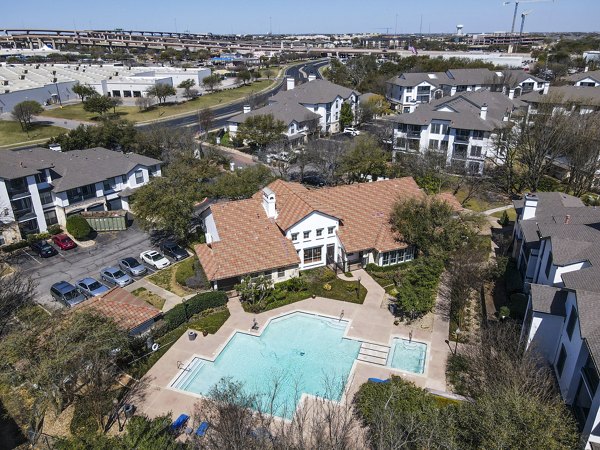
(184, 278)
(320, 282)
(149, 297)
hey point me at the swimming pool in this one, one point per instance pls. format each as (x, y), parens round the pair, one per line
(304, 352)
(408, 355)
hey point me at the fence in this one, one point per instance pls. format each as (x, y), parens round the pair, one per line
(106, 220)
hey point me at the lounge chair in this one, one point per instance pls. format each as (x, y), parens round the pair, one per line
(379, 380)
(201, 431)
(180, 422)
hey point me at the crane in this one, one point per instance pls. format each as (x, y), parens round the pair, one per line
(523, 15)
(517, 2)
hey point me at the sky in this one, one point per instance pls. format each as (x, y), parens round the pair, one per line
(304, 16)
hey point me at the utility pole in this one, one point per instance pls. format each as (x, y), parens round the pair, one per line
(421, 26)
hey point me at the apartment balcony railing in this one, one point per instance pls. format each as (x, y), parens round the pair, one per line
(17, 192)
(80, 198)
(464, 138)
(23, 215)
(413, 134)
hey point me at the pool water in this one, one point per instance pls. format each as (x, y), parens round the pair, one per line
(304, 353)
(408, 355)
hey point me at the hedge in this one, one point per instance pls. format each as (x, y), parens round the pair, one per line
(12, 247)
(198, 303)
(78, 227)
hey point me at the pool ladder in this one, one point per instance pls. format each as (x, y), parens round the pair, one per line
(373, 353)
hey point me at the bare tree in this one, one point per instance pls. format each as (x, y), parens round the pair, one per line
(584, 152)
(206, 120)
(144, 102)
(17, 291)
(506, 158)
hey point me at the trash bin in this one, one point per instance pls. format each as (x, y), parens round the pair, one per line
(128, 409)
(192, 335)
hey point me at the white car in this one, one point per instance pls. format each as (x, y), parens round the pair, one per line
(351, 131)
(155, 259)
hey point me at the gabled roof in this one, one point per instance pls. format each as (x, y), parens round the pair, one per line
(582, 95)
(593, 74)
(314, 92)
(285, 111)
(548, 299)
(462, 77)
(128, 311)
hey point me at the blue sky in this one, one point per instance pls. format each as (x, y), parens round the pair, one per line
(304, 16)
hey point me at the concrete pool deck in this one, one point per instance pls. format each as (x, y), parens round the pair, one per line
(371, 322)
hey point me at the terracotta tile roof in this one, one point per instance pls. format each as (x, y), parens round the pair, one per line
(123, 307)
(249, 242)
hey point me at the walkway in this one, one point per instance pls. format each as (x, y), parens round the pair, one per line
(370, 322)
(489, 212)
(69, 124)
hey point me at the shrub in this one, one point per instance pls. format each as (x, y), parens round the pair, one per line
(198, 303)
(326, 287)
(16, 246)
(37, 237)
(184, 270)
(504, 220)
(517, 306)
(327, 275)
(504, 311)
(294, 284)
(54, 229)
(83, 422)
(78, 227)
(417, 289)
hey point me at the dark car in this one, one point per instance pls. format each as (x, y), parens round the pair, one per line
(64, 242)
(173, 250)
(43, 249)
(66, 293)
(132, 266)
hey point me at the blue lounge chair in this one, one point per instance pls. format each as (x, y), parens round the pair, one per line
(180, 422)
(379, 380)
(201, 431)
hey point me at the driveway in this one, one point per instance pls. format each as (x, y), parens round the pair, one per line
(75, 264)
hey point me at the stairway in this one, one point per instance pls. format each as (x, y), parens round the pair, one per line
(373, 353)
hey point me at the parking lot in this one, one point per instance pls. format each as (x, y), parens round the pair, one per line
(75, 264)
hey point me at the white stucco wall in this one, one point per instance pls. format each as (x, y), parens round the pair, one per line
(312, 222)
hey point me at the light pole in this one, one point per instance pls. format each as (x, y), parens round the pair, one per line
(358, 290)
(457, 333)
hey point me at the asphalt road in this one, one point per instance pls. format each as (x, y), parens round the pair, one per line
(78, 263)
(223, 113)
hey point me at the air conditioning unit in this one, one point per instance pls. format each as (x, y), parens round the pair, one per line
(6, 212)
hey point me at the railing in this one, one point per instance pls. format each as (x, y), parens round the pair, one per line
(413, 134)
(20, 213)
(461, 138)
(80, 198)
(18, 191)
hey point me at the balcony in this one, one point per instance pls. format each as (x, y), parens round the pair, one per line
(18, 192)
(413, 134)
(462, 138)
(80, 197)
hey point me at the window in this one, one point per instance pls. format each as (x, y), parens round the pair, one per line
(312, 255)
(414, 144)
(50, 217)
(477, 134)
(409, 89)
(436, 128)
(401, 143)
(294, 236)
(320, 232)
(40, 178)
(444, 146)
(476, 151)
(109, 185)
(473, 168)
(46, 197)
(406, 109)
(548, 265)
(591, 375)
(281, 272)
(139, 176)
(402, 127)
(396, 256)
(306, 234)
(434, 144)
(572, 322)
(330, 230)
(560, 363)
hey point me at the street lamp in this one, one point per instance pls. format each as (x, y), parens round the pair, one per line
(358, 290)
(457, 333)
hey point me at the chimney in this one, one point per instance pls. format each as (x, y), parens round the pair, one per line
(587, 69)
(483, 111)
(208, 237)
(269, 203)
(531, 201)
(546, 88)
(246, 109)
(567, 219)
(290, 83)
(511, 94)
(232, 166)
(312, 77)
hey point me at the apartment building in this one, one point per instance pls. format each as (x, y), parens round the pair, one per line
(585, 79)
(557, 246)
(408, 90)
(41, 187)
(317, 99)
(286, 228)
(577, 99)
(461, 128)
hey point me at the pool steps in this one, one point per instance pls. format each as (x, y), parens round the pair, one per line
(187, 376)
(373, 353)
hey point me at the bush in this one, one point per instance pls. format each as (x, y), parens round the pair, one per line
(184, 270)
(78, 227)
(548, 184)
(512, 278)
(504, 311)
(417, 289)
(83, 422)
(294, 284)
(327, 275)
(37, 237)
(54, 229)
(326, 287)
(517, 306)
(16, 246)
(504, 220)
(198, 303)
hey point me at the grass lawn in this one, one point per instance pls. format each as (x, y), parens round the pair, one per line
(478, 204)
(210, 322)
(512, 214)
(11, 132)
(150, 297)
(165, 278)
(133, 113)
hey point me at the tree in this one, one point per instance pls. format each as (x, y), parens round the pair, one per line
(375, 106)
(583, 155)
(254, 290)
(98, 104)
(261, 129)
(112, 134)
(24, 111)
(167, 202)
(206, 119)
(365, 158)
(187, 86)
(115, 101)
(212, 81)
(346, 116)
(417, 286)
(506, 158)
(84, 91)
(243, 76)
(161, 91)
(16, 292)
(240, 184)
(431, 225)
(51, 361)
(143, 103)
(269, 73)
(78, 227)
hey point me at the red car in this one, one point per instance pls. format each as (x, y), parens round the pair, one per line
(64, 242)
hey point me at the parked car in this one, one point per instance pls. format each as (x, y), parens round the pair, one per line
(43, 249)
(64, 242)
(173, 250)
(91, 287)
(132, 266)
(66, 293)
(155, 259)
(351, 131)
(115, 276)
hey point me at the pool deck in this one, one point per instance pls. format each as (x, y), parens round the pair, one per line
(371, 322)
